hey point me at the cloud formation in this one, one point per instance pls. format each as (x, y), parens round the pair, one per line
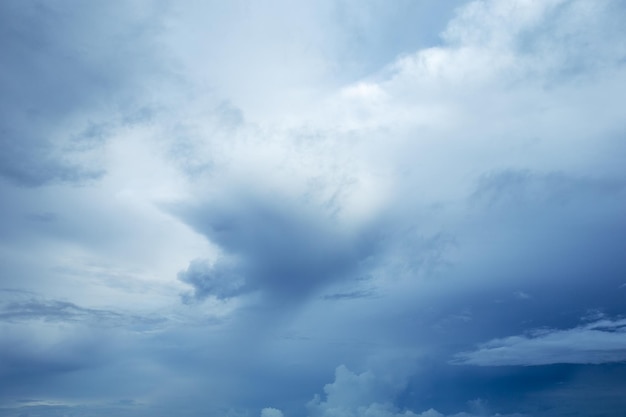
(208, 206)
(271, 412)
(57, 96)
(219, 280)
(272, 246)
(363, 395)
(598, 342)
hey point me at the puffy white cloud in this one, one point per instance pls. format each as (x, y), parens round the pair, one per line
(364, 395)
(355, 395)
(271, 412)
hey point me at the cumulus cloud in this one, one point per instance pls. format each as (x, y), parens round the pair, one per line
(364, 395)
(271, 412)
(352, 394)
(599, 342)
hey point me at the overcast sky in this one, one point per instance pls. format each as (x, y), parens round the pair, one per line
(313, 208)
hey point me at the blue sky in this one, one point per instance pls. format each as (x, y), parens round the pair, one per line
(329, 208)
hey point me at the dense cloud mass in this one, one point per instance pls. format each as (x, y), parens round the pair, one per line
(330, 208)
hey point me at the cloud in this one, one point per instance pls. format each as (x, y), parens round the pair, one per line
(372, 189)
(519, 189)
(354, 394)
(271, 412)
(349, 295)
(57, 90)
(34, 308)
(47, 338)
(300, 209)
(364, 395)
(220, 280)
(34, 350)
(278, 247)
(599, 342)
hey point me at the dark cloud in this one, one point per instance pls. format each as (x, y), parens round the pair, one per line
(32, 165)
(52, 311)
(277, 248)
(330, 223)
(221, 280)
(349, 295)
(20, 306)
(64, 64)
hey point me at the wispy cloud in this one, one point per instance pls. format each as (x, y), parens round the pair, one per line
(35, 308)
(602, 341)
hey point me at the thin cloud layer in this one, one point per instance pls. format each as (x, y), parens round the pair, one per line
(594, 343)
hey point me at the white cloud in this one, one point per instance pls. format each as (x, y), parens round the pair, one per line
(271, 412)
(355, 395)
(495, 23)
(602, 341)
(364, 395)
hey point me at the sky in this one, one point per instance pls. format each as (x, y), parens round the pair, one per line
(322, 208)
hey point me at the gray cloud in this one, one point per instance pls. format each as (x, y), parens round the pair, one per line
(221, 280)
(45, 338)
(52, 311)
(42, 351)
(466, 192)
(349, 295)
(275, 247)
(64, 64)
(20, 306)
